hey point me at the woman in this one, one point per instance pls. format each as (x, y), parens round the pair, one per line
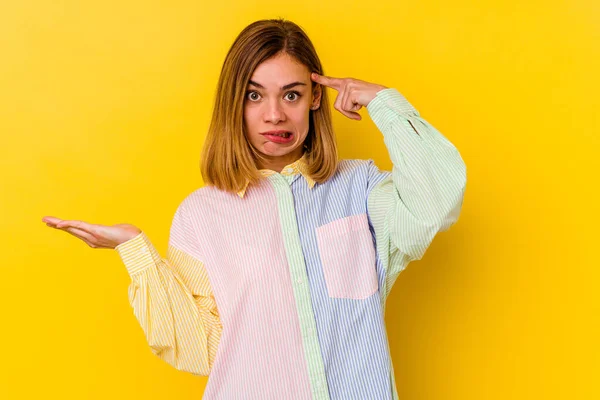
(278, 270)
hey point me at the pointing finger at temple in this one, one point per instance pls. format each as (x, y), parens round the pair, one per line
(334, 83)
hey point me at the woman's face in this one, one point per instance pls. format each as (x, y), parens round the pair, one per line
(279, 98)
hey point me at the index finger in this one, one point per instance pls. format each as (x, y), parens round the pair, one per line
(335, 83)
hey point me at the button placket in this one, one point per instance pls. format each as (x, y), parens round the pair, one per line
(299, 277)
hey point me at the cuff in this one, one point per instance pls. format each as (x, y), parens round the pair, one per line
(138, 254)
(387, 104)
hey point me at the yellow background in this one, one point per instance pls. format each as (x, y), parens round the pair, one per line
(104, 106)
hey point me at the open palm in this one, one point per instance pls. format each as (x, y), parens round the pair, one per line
(95, 235)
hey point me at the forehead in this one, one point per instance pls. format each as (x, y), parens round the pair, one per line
(280, 70)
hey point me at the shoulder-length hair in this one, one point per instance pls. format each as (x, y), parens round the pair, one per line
(228, 160)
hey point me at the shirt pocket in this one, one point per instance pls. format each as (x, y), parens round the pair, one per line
(348, 256)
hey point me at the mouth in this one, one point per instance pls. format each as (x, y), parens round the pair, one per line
(278, 136)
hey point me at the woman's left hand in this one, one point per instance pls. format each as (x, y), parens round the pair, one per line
(352, 93)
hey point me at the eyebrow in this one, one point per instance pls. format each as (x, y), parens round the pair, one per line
(289, 85)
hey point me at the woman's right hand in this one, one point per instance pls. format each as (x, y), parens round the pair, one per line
(96, 236)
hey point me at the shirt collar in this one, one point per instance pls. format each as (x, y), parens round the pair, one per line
(299, 166)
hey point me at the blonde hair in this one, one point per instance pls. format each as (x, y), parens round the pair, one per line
(228, 160)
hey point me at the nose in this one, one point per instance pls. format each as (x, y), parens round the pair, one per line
(273, 112)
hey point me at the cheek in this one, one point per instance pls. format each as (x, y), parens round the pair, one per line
(298, 112)
(301, 118)
(250, 122)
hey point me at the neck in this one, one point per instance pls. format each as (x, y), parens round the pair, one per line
(278, 163)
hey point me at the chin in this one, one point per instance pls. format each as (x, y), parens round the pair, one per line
(278, 151)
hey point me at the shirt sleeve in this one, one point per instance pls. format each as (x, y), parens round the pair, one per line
(172, 298)
(424, 193)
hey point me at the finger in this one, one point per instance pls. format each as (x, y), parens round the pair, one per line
(352, 115)
(75, 224)
(334, 83)
(339, 105)
(83, 226)
(349, 114)
(83, 235)
(349, 105)
(52, 220)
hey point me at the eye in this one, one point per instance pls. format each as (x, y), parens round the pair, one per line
(295, 94)
(250, 93)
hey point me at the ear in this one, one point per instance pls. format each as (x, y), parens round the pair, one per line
(316, 96)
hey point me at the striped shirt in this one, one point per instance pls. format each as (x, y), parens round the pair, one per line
(279, 291)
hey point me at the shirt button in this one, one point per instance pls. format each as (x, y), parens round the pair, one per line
(299, 280)
(290, 170)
